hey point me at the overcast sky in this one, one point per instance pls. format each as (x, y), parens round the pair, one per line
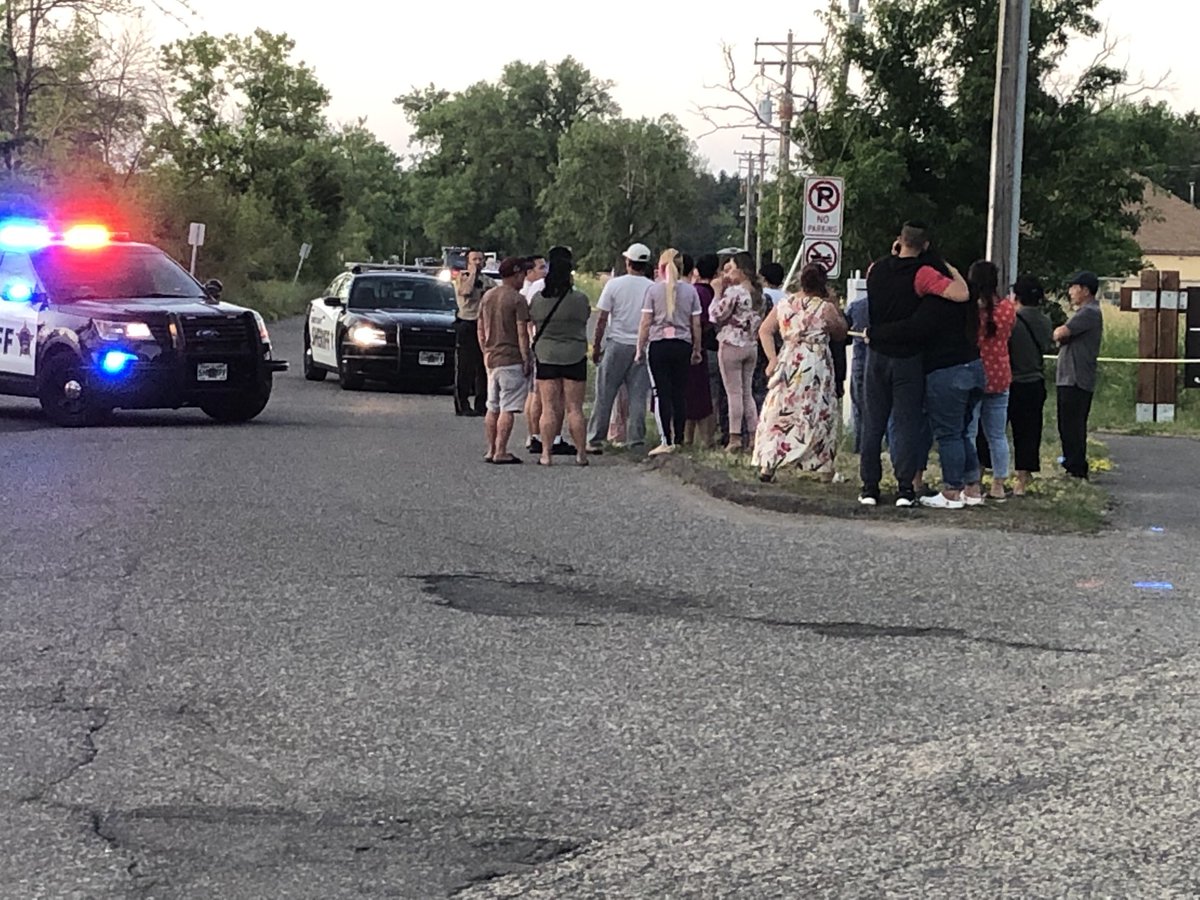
(366, 59)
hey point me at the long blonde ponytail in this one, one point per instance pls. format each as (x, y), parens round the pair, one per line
(671, 270)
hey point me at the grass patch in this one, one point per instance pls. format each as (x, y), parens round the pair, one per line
(1116, 389)
(275, 300)
(1054, 503)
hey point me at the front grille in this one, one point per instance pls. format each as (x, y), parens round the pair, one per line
(426, 339)
(162, 334)
(219, 335)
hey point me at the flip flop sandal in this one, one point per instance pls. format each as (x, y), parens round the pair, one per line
(511, 461)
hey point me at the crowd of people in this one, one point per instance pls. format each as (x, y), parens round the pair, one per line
(725, 357)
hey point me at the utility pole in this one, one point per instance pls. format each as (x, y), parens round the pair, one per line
(747, 159)
(787, 108)
(855, 19)
(1008, 138)
(760, 192)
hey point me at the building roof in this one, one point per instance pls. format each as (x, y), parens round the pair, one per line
(1171, 227)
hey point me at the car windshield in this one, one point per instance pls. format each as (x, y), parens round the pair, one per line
(112, 272)
(390, 292)
(455, 257)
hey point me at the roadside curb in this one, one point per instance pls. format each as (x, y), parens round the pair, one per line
(772, 498)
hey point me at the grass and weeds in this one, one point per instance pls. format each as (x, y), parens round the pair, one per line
(274, 299)
(1054, 503)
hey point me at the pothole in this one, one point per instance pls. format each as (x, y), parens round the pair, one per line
(538, 600)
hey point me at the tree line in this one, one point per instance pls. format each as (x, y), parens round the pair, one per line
(232, 131)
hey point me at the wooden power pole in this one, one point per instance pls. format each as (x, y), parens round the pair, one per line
(787, 110)
(1008, 138)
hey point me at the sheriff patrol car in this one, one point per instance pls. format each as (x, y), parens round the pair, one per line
(383, 322)
(91, 322)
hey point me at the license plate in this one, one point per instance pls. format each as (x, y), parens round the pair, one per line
(426, 358)
(212, 372)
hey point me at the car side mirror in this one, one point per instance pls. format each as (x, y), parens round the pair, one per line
(213, 288)
(333, 301)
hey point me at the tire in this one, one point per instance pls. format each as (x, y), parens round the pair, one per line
(59, 371)
(243, 408)
(312, 372)
(347, 377)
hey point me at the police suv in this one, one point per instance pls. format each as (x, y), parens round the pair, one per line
(91, 322)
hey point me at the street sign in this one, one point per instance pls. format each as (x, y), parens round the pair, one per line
(824, 203)
(195, 241)
(825, 252)
(305, 249)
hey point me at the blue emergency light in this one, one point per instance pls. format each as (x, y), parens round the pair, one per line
(114, 362)
(17, 291)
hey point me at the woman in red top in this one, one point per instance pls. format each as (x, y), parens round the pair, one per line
(997, 315)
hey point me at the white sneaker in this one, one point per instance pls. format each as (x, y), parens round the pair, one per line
(972, 501)
(940, 501)
(867, 500)
(662, 449)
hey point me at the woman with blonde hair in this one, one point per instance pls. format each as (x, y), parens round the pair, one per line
(671, 330)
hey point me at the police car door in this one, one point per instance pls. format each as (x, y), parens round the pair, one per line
(18, 315)
(322, 323)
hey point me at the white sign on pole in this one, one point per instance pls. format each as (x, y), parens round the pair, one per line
(825, 252)
(305, 249)
(196, 234)
(824, 203)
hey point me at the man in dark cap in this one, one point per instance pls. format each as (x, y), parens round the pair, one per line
(1078, 351)
(504, 340)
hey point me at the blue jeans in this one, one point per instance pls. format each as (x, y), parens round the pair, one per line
(952, 398)
(992, 417)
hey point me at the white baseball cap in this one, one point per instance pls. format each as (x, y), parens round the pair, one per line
(637, 253)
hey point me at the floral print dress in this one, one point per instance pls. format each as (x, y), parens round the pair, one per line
(798, 422)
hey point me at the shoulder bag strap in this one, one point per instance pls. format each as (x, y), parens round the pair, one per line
(550, 315)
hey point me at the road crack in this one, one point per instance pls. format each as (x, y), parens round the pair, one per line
(869, 631)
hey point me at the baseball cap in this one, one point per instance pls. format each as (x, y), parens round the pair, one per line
(513, 265)
(637, 253)
(1087, 280)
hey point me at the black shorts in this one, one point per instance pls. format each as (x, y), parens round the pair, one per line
(574, 372)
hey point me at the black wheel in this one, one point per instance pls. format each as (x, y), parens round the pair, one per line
(349, 379)
(242, 408)
(64, 391)
(312, 372)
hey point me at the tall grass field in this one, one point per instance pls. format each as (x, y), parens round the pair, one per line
(1113, 406)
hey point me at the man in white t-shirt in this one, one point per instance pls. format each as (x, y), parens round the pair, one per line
(615, 347)
(535, 278)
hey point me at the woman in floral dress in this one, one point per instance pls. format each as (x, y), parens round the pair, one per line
(798, 424)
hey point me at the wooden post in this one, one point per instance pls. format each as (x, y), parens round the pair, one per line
(1191, 373)
(1168, 348)
(1145, 301)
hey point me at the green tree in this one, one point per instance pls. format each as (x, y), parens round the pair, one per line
(914, 140)
(622, 181)
(488, 152)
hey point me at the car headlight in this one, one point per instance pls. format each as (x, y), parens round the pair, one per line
(445, 275)
(367, 335)
(262, 328)
(116, 331)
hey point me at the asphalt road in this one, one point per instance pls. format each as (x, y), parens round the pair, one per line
(332, 654)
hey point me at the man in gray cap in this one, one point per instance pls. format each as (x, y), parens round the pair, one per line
(614, 348)
(1078, 350)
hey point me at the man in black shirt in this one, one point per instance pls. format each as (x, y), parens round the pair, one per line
(894, 381)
